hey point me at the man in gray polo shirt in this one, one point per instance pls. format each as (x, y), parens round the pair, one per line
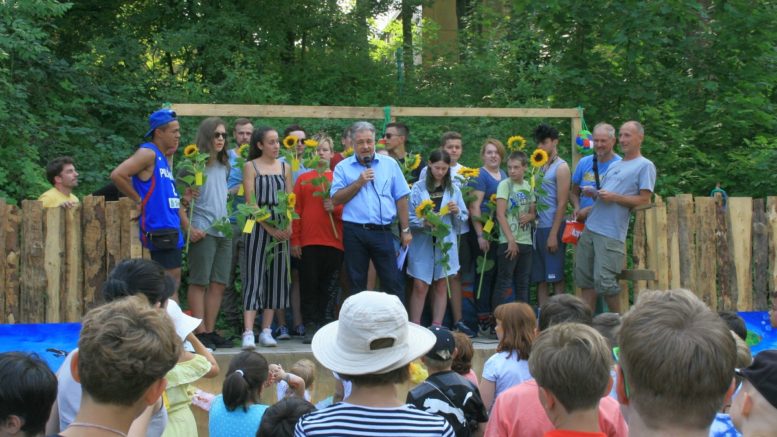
(601, 249)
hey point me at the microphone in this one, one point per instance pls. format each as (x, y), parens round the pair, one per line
(367, 161)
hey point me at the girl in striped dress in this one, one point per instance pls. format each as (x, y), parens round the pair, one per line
(266, 285)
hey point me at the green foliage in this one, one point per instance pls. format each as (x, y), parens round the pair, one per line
(80, 78)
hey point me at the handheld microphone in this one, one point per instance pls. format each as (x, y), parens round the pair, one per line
(367, 161)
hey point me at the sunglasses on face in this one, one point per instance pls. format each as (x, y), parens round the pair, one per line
(218, 135)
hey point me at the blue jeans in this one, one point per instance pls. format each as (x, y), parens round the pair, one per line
(364, 245)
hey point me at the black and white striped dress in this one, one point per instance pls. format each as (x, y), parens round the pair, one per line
(266, 284)
(344, 419)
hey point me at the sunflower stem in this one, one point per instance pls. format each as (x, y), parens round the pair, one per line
(189, 230)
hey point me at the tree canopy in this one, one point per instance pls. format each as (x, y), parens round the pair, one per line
(79, 78)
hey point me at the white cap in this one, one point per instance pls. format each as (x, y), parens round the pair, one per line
(373, 336)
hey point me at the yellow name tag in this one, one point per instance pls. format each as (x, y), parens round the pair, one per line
(488, 226)
(198, 178)
(241, 190)
(249, 226)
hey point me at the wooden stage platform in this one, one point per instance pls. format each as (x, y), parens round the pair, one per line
(287, 353)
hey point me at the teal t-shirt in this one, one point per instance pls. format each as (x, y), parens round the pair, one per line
(519, 198)
(223, 423)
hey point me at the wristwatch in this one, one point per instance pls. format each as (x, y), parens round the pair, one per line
(406, 230)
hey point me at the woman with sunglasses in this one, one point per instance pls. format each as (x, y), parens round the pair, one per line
(210, 250)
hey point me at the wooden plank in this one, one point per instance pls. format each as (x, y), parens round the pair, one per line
(686, 239)
(33, 275)
(136, 248)
(673, 235)
(657, 249)
(278, 111)
(74, 279)
(726, 273)
(94, 253)
(112, 235)
(638, 250)
(637, 275)
(362, 112)
(771, 217)
(740, 218)
(126, 207)
(53, 255)
(12, 229)
(760, 256)
(706, 253)
(624, 293)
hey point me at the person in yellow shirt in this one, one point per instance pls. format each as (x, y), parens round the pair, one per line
(62, 174)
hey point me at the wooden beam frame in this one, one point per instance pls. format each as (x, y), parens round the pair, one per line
(371, 112)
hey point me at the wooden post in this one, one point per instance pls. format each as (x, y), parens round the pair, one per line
(94, 248)
(726, 272)
(740, 217)
(638, 249)
(656, 244)
(12, 230)
(53, 256)
(112, 235)
(686, 237)
(771, 217)
(760, 256)
(673, 243)
(577, 125)
(706, 253)
(74, 284)
(33, 275)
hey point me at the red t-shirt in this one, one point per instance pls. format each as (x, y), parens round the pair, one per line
(314, 228)
(335, 160)
(567, 433)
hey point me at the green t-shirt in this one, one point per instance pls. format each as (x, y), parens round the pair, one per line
(519, 200)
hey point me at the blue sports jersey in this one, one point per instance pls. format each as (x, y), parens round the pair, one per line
(159, 199)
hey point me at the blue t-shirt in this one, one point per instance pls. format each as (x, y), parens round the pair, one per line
(584, 176)
(235, 179)
(159, 198)
(722, 426)
(626, 177)
(487, 184)
(223, 423)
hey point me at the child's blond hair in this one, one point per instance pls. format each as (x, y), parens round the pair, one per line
(305, 369)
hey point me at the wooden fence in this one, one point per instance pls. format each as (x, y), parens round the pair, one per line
(725, 255)
(56, 260)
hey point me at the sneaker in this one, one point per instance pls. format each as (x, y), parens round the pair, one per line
(282, 333)
(205, 340)
(463, 328)
(266, 340)
(248, 340)
(299, 331)
(220, 341)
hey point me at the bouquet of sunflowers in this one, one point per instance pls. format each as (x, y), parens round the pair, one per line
(193, 169)
(438, 230)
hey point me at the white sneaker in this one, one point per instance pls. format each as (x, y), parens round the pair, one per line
(248, 340)
(266, 340)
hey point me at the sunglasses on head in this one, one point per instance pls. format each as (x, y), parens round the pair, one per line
(218, 135)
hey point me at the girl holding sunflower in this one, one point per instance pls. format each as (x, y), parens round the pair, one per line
(266, 284)
(492, 153)
(424, 263)
(210, 251)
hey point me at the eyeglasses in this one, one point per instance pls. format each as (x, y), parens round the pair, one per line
(218, 135)
(388, 136)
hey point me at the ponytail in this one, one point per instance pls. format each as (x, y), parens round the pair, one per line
(246, 375)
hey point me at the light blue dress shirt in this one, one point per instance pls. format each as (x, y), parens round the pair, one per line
(376, 202)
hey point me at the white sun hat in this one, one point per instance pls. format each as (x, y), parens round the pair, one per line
(373, 336)
(184, 323)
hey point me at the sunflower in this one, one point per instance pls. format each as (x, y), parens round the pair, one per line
(242, 151)
(347, 153)
(423, 207)
(539, 158)
(444, 210)
(416, 162)
(263, 217)
(516, 143)
(190, 150)
(311, 143)
(469, 173)
(492, 199)
(418, 373)
(291, 200)
(290, 141)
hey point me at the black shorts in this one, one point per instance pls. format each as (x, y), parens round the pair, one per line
(168, 258)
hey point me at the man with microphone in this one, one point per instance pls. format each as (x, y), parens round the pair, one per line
(374, 192)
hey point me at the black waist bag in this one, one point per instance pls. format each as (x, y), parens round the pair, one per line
(163, 239)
